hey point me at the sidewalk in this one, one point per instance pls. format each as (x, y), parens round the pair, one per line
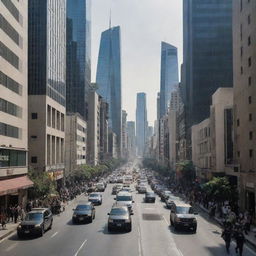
(250, 238)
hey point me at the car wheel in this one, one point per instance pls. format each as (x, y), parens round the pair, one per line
(94, 216)
(194, 230)
(129, 228)
(90, 220)
(42, 231)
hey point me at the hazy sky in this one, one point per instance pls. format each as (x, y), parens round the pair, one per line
(144, 24)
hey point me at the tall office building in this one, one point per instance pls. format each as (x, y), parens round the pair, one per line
(131, 139)
(207, 53)
(158, 106)
(169, 75)
(47, 85)
(78, 55)
(108, 78)
(13, 103)
(244, 50)
(141, 123)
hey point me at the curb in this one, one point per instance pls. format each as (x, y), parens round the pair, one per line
(7, 234)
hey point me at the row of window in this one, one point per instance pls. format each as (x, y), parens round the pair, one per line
(9, 56)
(241, 3)
(12, 9)
(9, 30)
(10, 131)
(250, 153)
(10, 108)
(12, 158)
(9, 83)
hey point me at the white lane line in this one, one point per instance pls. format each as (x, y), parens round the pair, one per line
(11, 247)
(80, 247)
(54, 234)
(139, 242)
(165, 220)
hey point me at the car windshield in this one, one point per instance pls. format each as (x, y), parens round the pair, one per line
(184, 210)
(94, 195)
(34, 216)
(118, 211)
(150, 194)
(83, 207)
(124, 198)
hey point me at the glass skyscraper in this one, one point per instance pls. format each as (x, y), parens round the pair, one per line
(207, 53)
(78, 55)
(108, 77)
(169, 75)
(141, 123)
(47, 49)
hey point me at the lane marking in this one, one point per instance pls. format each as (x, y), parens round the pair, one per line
(139, 242)
(54, 234)
(165, 220)
(80, 247)
(11, 247)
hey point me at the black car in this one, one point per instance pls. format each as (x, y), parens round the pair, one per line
(36, 222)
(119, 218)
(150, 197)
(84, 212)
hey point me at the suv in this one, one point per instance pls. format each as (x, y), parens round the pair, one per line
(150, 197)
(183, 216)
(36, 222)
(125, 198)
(120, 217)
(84, 212)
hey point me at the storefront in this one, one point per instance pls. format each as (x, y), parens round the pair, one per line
(58, 176)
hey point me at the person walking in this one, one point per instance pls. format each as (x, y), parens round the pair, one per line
(240, 240)
(226, 235)
(16, 214)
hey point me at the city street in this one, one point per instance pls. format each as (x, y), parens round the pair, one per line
(150, 236)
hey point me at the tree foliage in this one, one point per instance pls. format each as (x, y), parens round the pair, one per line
(154, 165)
(187, 170)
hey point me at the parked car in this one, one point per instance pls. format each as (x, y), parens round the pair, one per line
(119, 218)
(95, 198)
(150, 197)
(36, 222)
(170, 201)
(84, 212)
(165, 195)
(183, 216)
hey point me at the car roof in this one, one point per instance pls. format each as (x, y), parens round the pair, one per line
(119, 207)
(124, 193)
(84, 203)
(182, 204)
(39, 209)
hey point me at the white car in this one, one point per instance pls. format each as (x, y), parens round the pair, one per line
(100, 187)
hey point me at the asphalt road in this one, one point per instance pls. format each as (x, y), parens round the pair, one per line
(151, 235)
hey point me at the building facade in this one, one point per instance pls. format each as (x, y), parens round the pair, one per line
(141, 123)
(169, 75)
(124, 135)
(13, 103)
(75, 142)
(131, 140)
(108, 78)
(47, 86)
(78, 56)
(244, 51)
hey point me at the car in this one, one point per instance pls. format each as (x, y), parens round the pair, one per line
(95, 198)
(116, 189)
(36, 222)
(142, 189)
(165, 195)
(100, 187)
(119, 218)
(84, 212)
(125, 198)
(91, 188)
(183, 216)
(170, 201)
(150, 197)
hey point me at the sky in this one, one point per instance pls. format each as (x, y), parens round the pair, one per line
(144, 24)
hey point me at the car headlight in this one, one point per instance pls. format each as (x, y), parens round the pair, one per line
(37, 225)
(110, 221)
(177, 219)
(19, 226)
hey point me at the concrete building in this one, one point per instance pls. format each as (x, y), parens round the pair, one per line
(244, 52)
(78, 56)
(201, 149)
(124, 135)
(104, 112)
(141, 123)
(172, 131)
(47, 86)
(131, 140)
(93, 128)
(169, 75)
(13, 103)
(112, 145)
(75, 142)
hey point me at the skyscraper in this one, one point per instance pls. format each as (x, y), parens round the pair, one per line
(169, 75)
(47, 85)
(108, 77)
(131, 139)
(78, 55)
(141, 123)
(207, 53)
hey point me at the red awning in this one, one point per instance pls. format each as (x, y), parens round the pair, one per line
(13, 185)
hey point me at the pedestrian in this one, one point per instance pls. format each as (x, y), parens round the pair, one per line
(240, 239)
(3, 220)
(226, 235)
(16, 214)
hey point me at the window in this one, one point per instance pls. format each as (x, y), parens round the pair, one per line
(237, 122)
(241, 32)
(249, 19)
(249, 80)
(9, 83)
(12, 9)
(251, 153)
(10, 131)
(34, 115)
(9, 56)
(250, 99)
(12, 158)
(241, 5)
(249, 40)
(249, 61)
(242, 70)
(34, 159)
(250, 117)
(33, 137)
(238, 153)
(250, 135)
(10, 108)
(241, 51)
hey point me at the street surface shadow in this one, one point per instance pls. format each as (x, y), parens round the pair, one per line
(24, 238)
(70, 223)
(217, 250)
(180, 232)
